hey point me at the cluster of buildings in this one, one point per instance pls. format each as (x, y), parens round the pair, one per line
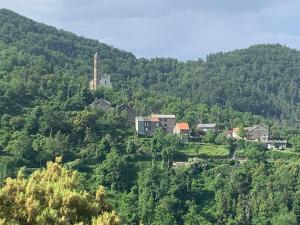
(259, 133)
(148, 125)
(255, 133)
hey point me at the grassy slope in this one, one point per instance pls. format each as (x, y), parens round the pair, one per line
(205, 150)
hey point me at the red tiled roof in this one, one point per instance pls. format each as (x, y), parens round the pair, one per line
(183, 126)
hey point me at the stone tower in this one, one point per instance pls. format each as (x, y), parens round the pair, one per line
(95, 68)
(94, 82)
(99, 80)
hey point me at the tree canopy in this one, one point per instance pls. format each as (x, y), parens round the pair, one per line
(52, 196)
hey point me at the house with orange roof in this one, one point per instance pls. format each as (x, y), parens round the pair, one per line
(182, 130)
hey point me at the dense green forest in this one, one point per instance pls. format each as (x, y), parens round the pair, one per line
(45, 112)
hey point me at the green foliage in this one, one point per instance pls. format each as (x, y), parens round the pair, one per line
(115, 172)
(255, 154)
(283, 155)
(45, 112)
(193, 217)
(20, 147)
(242, 132)
(206, 151)
(127, 207)
(163, 146)
(210, 137)
(285, 217)
(51, 196)
(296, 143)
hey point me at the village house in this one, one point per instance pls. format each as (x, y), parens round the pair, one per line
(148, 125)
(167, 122)
(131, 113)
(236, 133)
(276, 144)
(182, 130)
(101, 104)
(233, 133)
(228, 133)
(207, 127)
(143, 125)
(255, 133)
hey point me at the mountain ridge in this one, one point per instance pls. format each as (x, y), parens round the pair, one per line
(265, 75)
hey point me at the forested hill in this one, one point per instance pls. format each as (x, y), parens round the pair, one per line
(263, 79)
(59, 48)
(46, 113)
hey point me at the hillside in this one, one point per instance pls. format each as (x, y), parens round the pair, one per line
(104, 172)
(262, 79)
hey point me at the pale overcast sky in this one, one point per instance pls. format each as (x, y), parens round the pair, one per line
(184, 29)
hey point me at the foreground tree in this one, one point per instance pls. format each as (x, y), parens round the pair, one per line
(52, 196)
